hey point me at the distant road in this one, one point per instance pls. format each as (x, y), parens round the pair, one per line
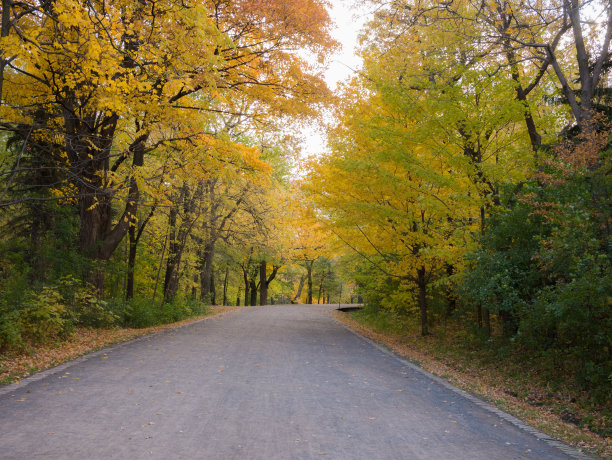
(274, 382)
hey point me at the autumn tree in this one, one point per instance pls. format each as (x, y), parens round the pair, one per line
(116, 82)
(420, 151)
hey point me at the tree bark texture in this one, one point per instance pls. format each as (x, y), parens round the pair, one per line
(134, 237)
(5, 29)
(205, 265)
(178, 236)
(309, 265)
(265, 280)
(263, 285)
(253, 288)
(171, 277)
(225, 303)
(247, 286)
(213, 291)
(300, 287)
(422, 287)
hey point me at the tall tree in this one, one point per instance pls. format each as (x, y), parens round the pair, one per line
(121, 79)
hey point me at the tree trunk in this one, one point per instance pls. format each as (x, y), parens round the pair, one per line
(5, 28)
(321, 289)
(134, 238)
(422, 286)
(253, 288)
(225, 286)
(205, 263)
(521, 95)
(194, 289)
(300, 287)
(263, 284)
(178, 237)
(238, 297)
(98, 238)
(161, 260)
(247, 286)
(309, 268)
(451, 299)
(129, 289)
(171, 277)
(213, 291)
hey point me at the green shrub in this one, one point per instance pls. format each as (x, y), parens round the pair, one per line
(86, 308)
(137, 313)
(140, 313)
(49, 313)
(45, 317)
(10, 332)
(545, 262)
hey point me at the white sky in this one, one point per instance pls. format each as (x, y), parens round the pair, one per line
(349, 19)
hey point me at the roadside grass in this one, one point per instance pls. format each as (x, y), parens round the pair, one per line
(539, 394)
(17, 366)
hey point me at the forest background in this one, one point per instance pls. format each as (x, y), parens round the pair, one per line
(150, 167)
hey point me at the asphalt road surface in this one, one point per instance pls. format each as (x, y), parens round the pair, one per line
(275, 382)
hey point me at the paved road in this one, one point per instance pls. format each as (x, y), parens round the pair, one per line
(278, 382)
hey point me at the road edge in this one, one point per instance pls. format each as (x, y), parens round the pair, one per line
(566, 449)
(63, 366)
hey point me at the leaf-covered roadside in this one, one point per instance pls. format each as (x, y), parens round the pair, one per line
(14, 367)
(529, 398)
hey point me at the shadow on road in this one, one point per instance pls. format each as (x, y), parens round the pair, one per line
(346, 308)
